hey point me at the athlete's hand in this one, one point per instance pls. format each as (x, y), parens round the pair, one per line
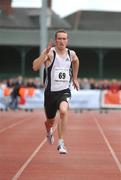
(50, 45)
(76, 84)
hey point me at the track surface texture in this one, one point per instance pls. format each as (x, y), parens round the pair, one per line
(93, 141)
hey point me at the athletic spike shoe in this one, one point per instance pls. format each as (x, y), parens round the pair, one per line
(50, 136)
(62, 149)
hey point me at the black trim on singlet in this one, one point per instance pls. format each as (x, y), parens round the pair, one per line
(44, 75)
(70, 71)
(69, 53)
(47, 71)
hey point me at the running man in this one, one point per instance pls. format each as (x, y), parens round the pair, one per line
(58, 61)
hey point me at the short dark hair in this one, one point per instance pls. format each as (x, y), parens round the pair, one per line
(60, 31)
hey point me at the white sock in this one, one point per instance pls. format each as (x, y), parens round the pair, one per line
(60, 141)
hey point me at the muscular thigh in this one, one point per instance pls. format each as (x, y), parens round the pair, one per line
(53, 101)
(63, 101)
(50, 105)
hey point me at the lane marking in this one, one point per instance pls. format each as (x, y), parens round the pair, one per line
(23, 167)
(13, 125)
(108, 144)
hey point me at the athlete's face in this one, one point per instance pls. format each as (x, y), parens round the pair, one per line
(61, 40)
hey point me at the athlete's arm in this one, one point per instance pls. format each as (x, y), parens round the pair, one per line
(75, 68)
(45, 56)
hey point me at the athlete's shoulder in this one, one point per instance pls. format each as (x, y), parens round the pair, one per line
(73, 55)
(72, 52)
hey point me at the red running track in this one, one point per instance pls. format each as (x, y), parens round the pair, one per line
(93, 141)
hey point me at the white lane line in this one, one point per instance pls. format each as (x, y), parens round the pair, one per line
(13, 125)
(23, 167)
(108, 144)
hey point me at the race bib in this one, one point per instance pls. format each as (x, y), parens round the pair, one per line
(61, 75)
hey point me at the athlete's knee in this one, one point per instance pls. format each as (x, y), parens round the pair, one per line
(63, 110)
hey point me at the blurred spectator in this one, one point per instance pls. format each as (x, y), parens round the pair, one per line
(15, 93)
(106, 84)
(92, 83)
(103, 84)
(10, 83)
(30, 83)
(114, 86)
(85, 84)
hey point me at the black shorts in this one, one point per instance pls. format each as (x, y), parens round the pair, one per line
(52, 101)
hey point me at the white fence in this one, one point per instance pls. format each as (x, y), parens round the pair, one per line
(82, 99)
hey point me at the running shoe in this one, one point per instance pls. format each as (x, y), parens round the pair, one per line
(62, 149)
(50, 136)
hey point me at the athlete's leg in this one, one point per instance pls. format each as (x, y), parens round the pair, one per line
(49, 123)
(50, 110)
(63, 110)
(49, 128)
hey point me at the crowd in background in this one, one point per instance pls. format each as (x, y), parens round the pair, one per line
(85, 83)
(14, 84)
(113, 85)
